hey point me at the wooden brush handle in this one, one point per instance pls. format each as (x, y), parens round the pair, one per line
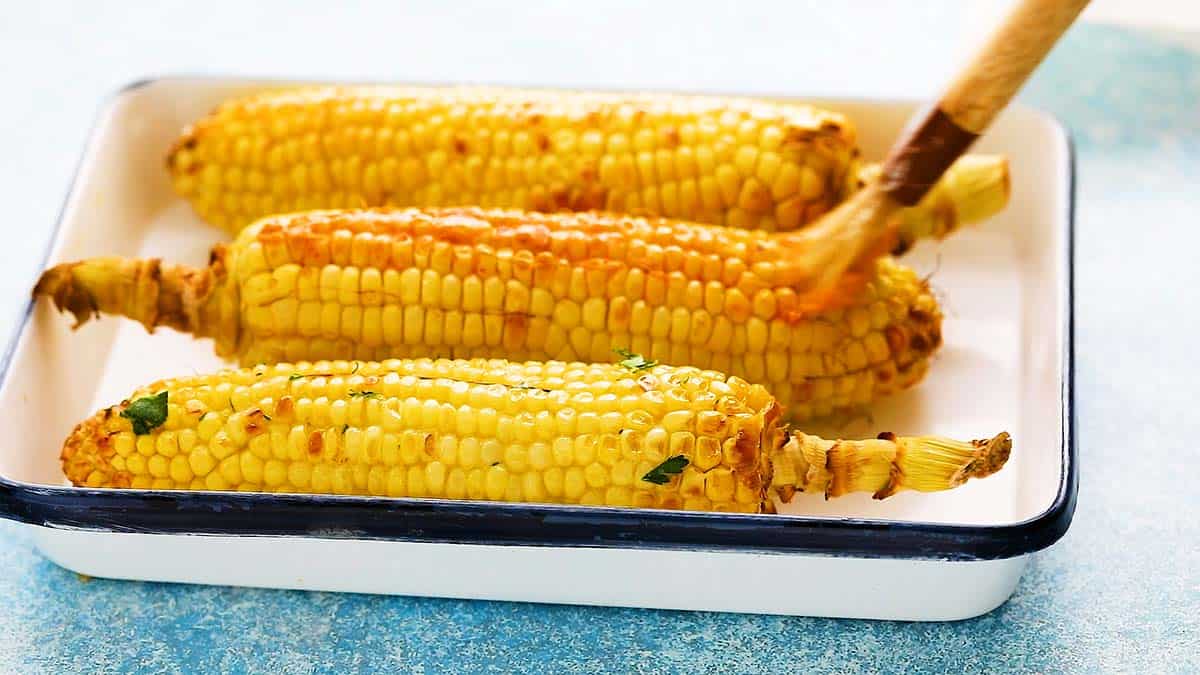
(941, 134)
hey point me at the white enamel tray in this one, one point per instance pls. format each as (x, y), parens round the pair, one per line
(1006, 288)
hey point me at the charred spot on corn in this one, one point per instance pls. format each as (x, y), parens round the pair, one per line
(635, 363)
(254, 420)
(147, 413)
(661, 474)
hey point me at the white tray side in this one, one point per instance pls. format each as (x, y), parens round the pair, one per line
(758, 583)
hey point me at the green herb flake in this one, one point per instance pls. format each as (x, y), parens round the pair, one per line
(147, 413)
(356, 366)
(294, 376)
(495, 463)
(634, 362)
(365, 394)
(231, 405)
(661, 474)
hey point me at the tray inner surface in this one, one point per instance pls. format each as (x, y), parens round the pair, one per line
(1000, 286)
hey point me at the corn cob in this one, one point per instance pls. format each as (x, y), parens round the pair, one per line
(596, 434)
(725, 161)
(472, 283)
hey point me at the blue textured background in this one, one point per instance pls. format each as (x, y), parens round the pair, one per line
(1120, 592)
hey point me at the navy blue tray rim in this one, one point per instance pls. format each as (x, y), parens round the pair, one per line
(501, 523)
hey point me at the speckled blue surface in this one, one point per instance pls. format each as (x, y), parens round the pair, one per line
(1120, 592)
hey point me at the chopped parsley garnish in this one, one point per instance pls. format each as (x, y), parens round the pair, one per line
(356, 365)
(661, 474)
(147, 413)
(294, 376)
(634, 362)
(364, 394)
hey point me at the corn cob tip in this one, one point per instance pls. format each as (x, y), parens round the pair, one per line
(884, 465)
(146, 290)
(58, 283)
(990, 456)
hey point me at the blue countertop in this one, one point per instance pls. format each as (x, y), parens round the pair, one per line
(1121, 592)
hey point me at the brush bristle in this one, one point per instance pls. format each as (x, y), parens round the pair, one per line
(853, 234)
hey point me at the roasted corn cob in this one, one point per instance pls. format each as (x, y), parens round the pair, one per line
(726, 161)
(474, 283)
(598, 434)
